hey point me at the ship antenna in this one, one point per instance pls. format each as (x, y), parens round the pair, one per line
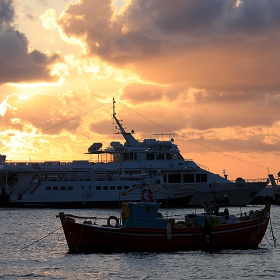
(114, 108)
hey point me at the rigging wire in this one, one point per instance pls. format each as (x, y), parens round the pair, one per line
(74, 117)
(192, 141)
(163, 127)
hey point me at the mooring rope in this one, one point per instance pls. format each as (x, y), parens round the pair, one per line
(22, 248)
(273, 237)
(268, 241)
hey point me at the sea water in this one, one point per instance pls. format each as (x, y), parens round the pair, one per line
(33, 246)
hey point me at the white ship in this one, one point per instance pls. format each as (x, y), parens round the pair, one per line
(156, 164)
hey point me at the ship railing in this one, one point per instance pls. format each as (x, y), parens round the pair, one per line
(64, 176)
(21, 188)
(241, 180)
(98, 175)
(88, 219)
(13, 183)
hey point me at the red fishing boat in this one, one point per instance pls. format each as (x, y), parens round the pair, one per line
(141, 227)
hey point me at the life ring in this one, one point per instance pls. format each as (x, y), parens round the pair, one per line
(113, 218)
(60, 175)
(150, 195)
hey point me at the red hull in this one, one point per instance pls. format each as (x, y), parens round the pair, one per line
(92, 238)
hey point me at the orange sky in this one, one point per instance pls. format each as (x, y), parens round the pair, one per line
(207, 71)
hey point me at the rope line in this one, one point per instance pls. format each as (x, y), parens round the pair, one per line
(163, 127)
(192, 141)
(272, 234)
(22, 248)
(74, 117)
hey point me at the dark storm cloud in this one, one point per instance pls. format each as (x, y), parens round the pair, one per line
(162, 21)
(203, 43)
(228, 50)
(17, 64)
(7, 13)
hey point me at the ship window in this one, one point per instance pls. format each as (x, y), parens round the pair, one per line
(98, 188)
(70, 188)
(119, 187)
(126, 157)
(129, 156)
(160, 156)
(55, 188)
(48, 188)
(174, 178)
(126, 187)
(62, 188)
(201, 178)
(157, 182)
(188, 178)
(150, 156)
(112, 187)
(105, 188)
(169, 156)
(180, 156)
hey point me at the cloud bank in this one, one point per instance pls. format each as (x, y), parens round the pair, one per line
(17, 62)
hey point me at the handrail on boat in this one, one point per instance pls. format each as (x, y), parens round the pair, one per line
(62, 215)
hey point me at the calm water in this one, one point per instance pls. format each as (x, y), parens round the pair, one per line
(48, 258)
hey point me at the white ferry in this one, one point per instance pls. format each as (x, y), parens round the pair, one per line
(100, 183)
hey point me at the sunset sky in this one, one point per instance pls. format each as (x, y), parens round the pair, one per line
(207, 71)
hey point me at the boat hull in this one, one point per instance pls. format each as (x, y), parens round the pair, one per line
(84, 238)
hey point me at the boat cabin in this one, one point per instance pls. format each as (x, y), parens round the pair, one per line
(142, 215)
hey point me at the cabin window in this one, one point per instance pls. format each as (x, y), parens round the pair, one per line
(169, 156)
(62, 188)
(188, 178)
(55, 188)
(126, 187)
(98, 188)
(150, 209)
(174, 178)
(129, 156)
(48, 188)
(150, 156)
(126, 157)
(70, 188)
(112, 187)
(160, 156)
(105, 188)
(119, 187)
(117, 157)
(201, 178)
